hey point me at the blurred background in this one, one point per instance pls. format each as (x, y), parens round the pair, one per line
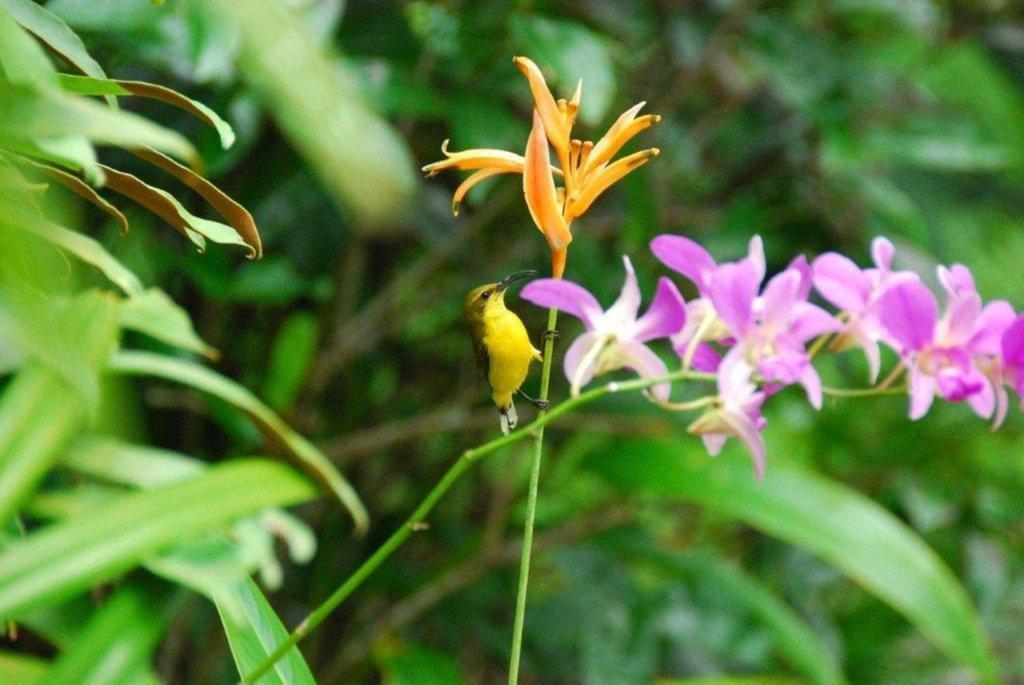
(817, 125)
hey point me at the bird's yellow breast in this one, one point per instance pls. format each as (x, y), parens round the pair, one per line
(509, 354)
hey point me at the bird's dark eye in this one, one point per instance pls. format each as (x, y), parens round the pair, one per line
(485, 294)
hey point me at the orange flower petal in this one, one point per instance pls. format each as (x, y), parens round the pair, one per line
(624, 128)
(554, 120)
(558, 258)
(480, 158)
(606, 177)
(473, 179)
(539, 188)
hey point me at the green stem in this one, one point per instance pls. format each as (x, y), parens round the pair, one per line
(863, 392)
(531, 507)
(414, 522)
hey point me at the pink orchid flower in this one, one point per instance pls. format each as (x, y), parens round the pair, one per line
(856, 292)
(702, 324)
(735, 413)
(944, 356)
(771, 331)
(616, 338)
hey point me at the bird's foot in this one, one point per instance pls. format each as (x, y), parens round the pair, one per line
(543, 405)
(552, 334)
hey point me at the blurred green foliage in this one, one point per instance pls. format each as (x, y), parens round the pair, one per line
(878, 551)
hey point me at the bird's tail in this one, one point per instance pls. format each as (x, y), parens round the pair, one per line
(508, 417)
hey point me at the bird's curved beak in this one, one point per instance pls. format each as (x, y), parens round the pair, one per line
(512, 278)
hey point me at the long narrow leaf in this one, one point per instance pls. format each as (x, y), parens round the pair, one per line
(38, 417)
(55, 34)
(83, 85)
(29, 114)
(89, 251)
(361, 161)
(22, 669)
(66, 558)
(165, 206)
(256, 632)
(237, 216)
(300, 450)
(796, 640)
(846, 529)
(119, 640)
(78, 187)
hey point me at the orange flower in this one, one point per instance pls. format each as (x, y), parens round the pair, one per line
(586, 168)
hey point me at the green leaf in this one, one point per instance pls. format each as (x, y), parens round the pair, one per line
(29, 115)
(167, 207)
(796, 640)
(123, 463)
(415, 665)
(153, 313)
(90, 252)
(77, 186)
(83, 85)
(301, 451)
(235, 214)
(22, 61)
(64, 559)
(120, 638)
(22, 669)
(568, 52)
(290, 359)
(38, 417)
(361, 161)
(51, 30)
(849, 531)
(256, 633)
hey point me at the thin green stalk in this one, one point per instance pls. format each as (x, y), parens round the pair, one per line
(531, 506)
(414, 522)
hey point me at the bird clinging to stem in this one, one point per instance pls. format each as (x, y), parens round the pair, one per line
(502, 345)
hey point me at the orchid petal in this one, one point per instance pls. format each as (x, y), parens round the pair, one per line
(733, 289)
(811, 382)
(962, 318)
(922, 393)
(996, 318)
(564, 296)
(957, 280)
(780, 294)
(745, 429)
(882, 253)
(646, 364)
(685, 256)
(714, 442)
(581, 349)
(623, 312)
(841, 282)
(908, 312)
(983, 402)
(801, 266)
(664, 317)
(755, 255)
(1012, 344)
(1002, 403)
(810, 321)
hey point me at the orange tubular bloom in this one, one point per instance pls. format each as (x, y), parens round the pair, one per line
(542, 197)
(586, 168)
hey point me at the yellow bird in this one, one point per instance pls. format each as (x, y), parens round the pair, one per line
(502, 345)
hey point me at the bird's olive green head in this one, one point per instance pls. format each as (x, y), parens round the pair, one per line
(490, 298)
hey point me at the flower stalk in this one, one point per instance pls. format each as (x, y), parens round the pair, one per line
(531, 506)
(419, 515)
